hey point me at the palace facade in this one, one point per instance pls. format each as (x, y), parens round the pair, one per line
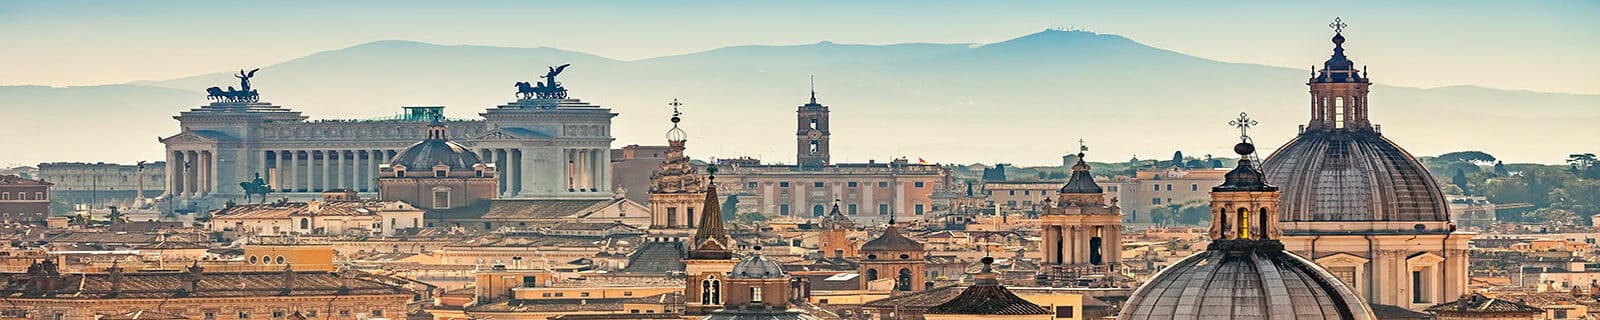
(870, 192)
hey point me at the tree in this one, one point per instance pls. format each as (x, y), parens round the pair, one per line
(1500, 169)
(1460, 180)
(1476, 157)
(1177, 159)
(730, 208)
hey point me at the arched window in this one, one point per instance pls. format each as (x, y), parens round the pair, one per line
(1244, 223)
(872, 274)
(1263, 221)
(711, 291)
(903, 281)
(1222, 218)
(305, 223)
(1338, 112)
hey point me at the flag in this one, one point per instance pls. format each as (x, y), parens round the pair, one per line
(920, 161)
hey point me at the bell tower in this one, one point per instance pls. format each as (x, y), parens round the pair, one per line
(1245, 207)
(1338, 91)
(811, 135)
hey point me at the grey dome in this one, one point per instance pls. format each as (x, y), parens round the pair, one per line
(1352, 175)
(756, 267)
(425, 154)
(1244, 284)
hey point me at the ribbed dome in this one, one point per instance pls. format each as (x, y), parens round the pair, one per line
(1244, 284)
(1081, 180)
(436, 150)
(892, 240)
(1352, 175)
(756, 267)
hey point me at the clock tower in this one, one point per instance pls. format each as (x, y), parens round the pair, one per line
(811, 138)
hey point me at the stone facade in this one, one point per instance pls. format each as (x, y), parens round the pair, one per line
(77, 182)
(543, 148)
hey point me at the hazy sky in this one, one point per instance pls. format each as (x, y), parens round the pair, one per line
(1534, 45)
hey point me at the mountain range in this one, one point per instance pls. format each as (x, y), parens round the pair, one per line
(1026, 101)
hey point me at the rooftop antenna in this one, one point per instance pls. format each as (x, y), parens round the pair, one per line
(813, 89)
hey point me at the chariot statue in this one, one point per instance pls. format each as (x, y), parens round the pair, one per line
(548, 89)
(243, 95)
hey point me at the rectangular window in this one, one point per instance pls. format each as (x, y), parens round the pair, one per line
(583, 294)
(1112, 188)
(1155, 200)
(439, 174)
(1064, 312)
(672, 217)
(917, 184)
(883, 184)
(530, 282)
(1418, 288)
(546, 295)
(851, 184)
(627, 293)
(1011, 204)
(244, 315)
(1013, 192)
(784, 184)
(751, 185)
(210, 315)
(919, 209)
(277, 314)
(817, 184)
(1346, 274)
(1157, 187)
(560, 294)
(783, 209)
(883, 209)
(377, 312)
(441, 199)
(1194, 187)
(1169, 187)
(755, 294)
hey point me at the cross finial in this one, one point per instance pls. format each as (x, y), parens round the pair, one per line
(1337, 25)
(1243, 123)
(675, 104)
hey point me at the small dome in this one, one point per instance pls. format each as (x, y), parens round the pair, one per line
(757, 267)
(1342, 175)
(1081, 181)
(1245, 177)
(1259, 283)
(892, 240)
(428, 153)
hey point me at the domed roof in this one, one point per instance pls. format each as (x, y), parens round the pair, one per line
(1244, 177)
(1260, 283)
(1352, 175)
(1081, 180)
(892, 240)
(435, 150)
(757, 267)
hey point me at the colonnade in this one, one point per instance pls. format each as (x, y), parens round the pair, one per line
(323, 170)
(191, 173)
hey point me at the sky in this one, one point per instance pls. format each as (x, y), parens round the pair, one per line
(1546, 46)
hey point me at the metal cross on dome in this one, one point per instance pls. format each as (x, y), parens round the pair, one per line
(1082, 147)
(1337, 25)
(1243, 123)
(675, 104)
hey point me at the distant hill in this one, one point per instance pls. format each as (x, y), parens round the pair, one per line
(1025, 100)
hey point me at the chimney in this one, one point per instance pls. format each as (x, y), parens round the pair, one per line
(288, 278)
(115, 275)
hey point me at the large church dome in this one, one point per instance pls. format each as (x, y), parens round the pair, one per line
(1340, 168)
(1342, 175)
(1263, 283)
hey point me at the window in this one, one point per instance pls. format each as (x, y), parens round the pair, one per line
(244, 315)
(438, 174)
(377, 312)
(1024, 192)
(755, 294)
(1155, 200)
(5, 196)
(441, 198)
(546, 295)
(633, 311)
(1011, 204)
(253, 259)
(627, 293)
(1346, 274)
(583, 294)
(560, 294)
(488, 226)
(688, 219)
(399, 173)
(784, 184)
(1157, 187)
(852, 184)
(918, 184)
(1194, 187)
(305, 223)
(750, 185)
(311, 314)
(1169, 187)
(672, 217)
(817, 184)
(783, 209)
(883, 209)
(1560, 313)
(210, 315)
(277, 314)
(852, 209)
(1417, 288)
(344, 312)
(919, 209)
(280, 260)
(1064, 312)
(816, 210)
(477, 173)
(1338, 113)
(1112, 188)
(1012, 192)
(883, 184)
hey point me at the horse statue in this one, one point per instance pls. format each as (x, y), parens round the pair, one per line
(525, 90)
(255, 187)
(244, 95)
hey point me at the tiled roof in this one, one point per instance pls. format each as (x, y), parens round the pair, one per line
(14, 180)
(892, 240)
(542, 209)
(1477, 303)
(987, 300)
(155, 285)
(144, 315)
(656, 257)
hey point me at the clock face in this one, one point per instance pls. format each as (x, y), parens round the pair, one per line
(814, 134)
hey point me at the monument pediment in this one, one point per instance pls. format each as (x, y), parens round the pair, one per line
(1424, 259)
(200, 136)
(1341, 259)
